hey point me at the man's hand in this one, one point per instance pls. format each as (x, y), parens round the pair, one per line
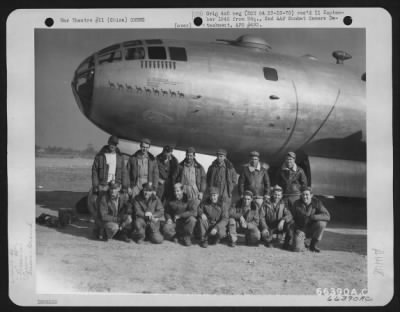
(176, 218)
(148, 215)
(266, 198)
(130, 191)
(213, 231)
(200, 196)
(243, 222)
(161, 181)
(169, 221)
(203, 217)
(280, 225)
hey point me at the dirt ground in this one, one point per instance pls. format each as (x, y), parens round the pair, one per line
(70, 260)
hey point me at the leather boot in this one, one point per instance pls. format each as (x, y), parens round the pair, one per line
(313, 245)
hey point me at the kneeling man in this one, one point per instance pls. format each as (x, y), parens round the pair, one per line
(148, 212)
(245, 217)
(180, 216)
(310, 217)
(276, 218)
(113, 218)
(213, 219)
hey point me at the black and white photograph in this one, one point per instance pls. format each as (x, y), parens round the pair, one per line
(223, 161)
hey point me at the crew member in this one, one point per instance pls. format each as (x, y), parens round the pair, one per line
(113, 218)
(222, 175)
(291, 177)
(108, 165)
(142, 168)
(191, 175)
(180, 216)
(245, 218)
(213, 219)
(311, 218)
(276, 218)
(148, 213)
(255, 178)
(167, 164)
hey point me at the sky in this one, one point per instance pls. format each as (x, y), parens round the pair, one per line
(58, 52)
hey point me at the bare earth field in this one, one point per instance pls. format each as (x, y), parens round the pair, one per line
(70, 260)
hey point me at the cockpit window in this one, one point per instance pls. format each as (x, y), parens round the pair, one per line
(86, 65)
(134, 53)
(154, 41)
(110, 57)
(132, 43)
(270, 74)
(157, 53)
(177, 54)
(109, 49)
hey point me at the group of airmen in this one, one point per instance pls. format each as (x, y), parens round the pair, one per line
(156, 198)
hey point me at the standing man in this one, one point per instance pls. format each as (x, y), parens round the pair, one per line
(148, 212)
(222, 175)
(291, 177)
(142, 168)
(180, 216)
(213, 219)
(113, 218)
(245, 217)
(255, 178)
(191, 175)
(276, 218)
(311, 218)
(108, 165)
(167, 164)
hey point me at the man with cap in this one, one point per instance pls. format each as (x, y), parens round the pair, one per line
(180, 217)
(108, 165)
(255, 178)
(142, 168)
(213, 219)
(222, 175)
(148, 213)
(311, 218)
(191, 175)
(167, 164)
(113, 219)
(245, 218)
(291, 177)
(276, 218)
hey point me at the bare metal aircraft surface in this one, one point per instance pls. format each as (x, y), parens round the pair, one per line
(236, 95)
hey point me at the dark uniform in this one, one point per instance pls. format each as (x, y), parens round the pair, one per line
(113, 214)
(310, 222)
(166, 167)
(182, 213)
(291, 180)
(223, 177)
(216, 218)
(143, 225)
(271, 215)
(251, 217)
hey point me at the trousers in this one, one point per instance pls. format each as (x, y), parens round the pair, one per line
(149, 230)
(181, 228)
(252, 233)
(205, 227)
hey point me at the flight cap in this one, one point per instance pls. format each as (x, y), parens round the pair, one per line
(276, 188)
(190, 150)
(306, 188)
(248, 193)
(291, 154)
(213, 190)
(146, 141)
(113, 140)
(167, 149)
(221, 151)
(148, 187)
(254, 154)
(114, 185)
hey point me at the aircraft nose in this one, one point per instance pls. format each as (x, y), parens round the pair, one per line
(82, 84)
